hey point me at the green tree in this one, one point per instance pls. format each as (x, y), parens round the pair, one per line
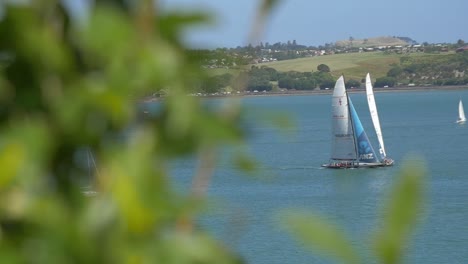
(353, 84)
(385, 81)
(272, 73)
(395, 71)
(323, 68)
(308, 84)
(216, 83)
(259, 82)
(324, 79)
(285, 82)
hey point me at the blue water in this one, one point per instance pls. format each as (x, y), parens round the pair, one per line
(244, 208)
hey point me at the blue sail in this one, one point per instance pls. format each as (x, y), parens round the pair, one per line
(366, 152)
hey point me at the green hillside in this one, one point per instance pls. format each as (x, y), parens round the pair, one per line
(352, 65)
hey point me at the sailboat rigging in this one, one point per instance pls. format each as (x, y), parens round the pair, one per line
(351, 147)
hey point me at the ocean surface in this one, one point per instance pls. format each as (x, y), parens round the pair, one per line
(243, 209)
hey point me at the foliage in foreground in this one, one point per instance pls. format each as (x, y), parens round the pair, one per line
(68, 89)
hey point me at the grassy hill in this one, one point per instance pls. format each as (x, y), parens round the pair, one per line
(352, 65)
(415, 67)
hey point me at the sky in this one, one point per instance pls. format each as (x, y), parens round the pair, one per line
(314, 23)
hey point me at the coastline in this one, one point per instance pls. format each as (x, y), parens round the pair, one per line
(326, 92)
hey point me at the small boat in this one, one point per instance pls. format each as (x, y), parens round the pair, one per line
(461, 113)
(351, 147)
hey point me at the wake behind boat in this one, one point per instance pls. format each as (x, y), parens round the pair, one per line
(351, 147)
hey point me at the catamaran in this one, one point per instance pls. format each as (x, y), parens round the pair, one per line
(351, 147)
(461, 113)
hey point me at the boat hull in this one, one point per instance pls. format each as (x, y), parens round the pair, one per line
(352, 165)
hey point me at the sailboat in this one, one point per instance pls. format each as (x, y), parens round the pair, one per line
(461, 113)
(351, 147)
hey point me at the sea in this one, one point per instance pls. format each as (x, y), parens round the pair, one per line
(290, 138)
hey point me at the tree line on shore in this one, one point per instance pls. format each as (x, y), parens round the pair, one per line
(451, 69)
(263, 78)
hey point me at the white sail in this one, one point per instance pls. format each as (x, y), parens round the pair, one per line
(374, 115)
(461, 112)
(343, 145)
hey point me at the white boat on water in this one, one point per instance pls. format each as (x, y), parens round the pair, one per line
(351, 147)
(461, 113)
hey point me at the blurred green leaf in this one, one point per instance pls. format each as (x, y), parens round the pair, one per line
(245, 162)
(24, 149)
(173, 24)
(12, 158)
(33, 38)
(199, 248)
(401, 213)
(267, 6)
(107, 37)
(320, 236)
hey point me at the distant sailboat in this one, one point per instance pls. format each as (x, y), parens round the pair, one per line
(461, 113)
(351, 147)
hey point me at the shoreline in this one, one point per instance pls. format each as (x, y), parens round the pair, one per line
(327, 92)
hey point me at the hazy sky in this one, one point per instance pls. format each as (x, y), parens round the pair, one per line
(318, 22)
